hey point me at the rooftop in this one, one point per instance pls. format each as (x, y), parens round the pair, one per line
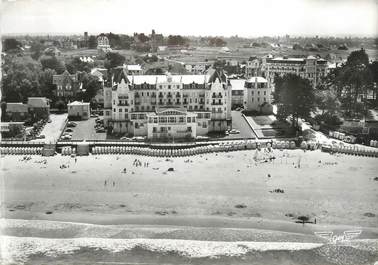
(38, 102)
(237, 84)
(257, 79)
(17, 107)
(77, 103)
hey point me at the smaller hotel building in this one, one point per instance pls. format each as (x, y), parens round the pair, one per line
(257, 95)
(310, 68)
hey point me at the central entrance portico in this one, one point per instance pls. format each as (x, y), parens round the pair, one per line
(171, 123)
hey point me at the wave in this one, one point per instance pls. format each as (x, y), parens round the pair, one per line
(21, 250)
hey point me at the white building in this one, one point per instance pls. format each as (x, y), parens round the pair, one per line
(257, 95)
(197, 67)
(252, 68)
(237, 92)
(310, 68)
(79, 110)
(103, 43)
(168, 106)
(133, 69)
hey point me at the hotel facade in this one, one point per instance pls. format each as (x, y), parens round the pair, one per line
(310, 68)
(167, 106)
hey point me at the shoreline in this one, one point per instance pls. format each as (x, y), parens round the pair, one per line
(226, 227)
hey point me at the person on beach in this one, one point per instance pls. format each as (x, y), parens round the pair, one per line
(105, 183)
(113, 183)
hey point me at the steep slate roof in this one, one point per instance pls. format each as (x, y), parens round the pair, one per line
(217, 75)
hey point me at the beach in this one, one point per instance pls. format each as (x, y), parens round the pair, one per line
(224, 197)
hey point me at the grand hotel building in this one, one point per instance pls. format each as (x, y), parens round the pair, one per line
(311, 68)
(167, 106)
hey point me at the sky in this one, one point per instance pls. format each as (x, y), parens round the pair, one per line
(246, 18)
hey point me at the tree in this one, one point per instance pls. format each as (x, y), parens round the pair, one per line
(355, 79)
(295, 97)
(92, 42)
(217, 42)
(11, 44)
(46, 82)
(91, 86)
(176, 40)
(36, 50)
(60, 105)
(374, 70)
(20, 79)
(327, 101)
(75, 64)
(113, 59)
(52, 62)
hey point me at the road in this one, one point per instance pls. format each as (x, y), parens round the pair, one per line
(52, 130)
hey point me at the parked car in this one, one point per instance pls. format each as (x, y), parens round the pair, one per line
(69, 130)
(67, 133)
(66, 137)
(100, 130)
(40, 136)
(234, 131)
(71, 124)
(138, 138)
(126, 138)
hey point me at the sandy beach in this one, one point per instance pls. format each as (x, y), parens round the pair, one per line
(225, 197)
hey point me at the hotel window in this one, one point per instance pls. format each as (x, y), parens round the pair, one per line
(154, 129)
(155, 120)
(258, 99)
(264, 93)
(114, 110)
(120, 110)
(190, 107)
(258, 93)
(172, 119)
(188, 119)
(148, 94)
(264, 99)
(126, 115)
(169, 86)
(107, 113)
(181, 119)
